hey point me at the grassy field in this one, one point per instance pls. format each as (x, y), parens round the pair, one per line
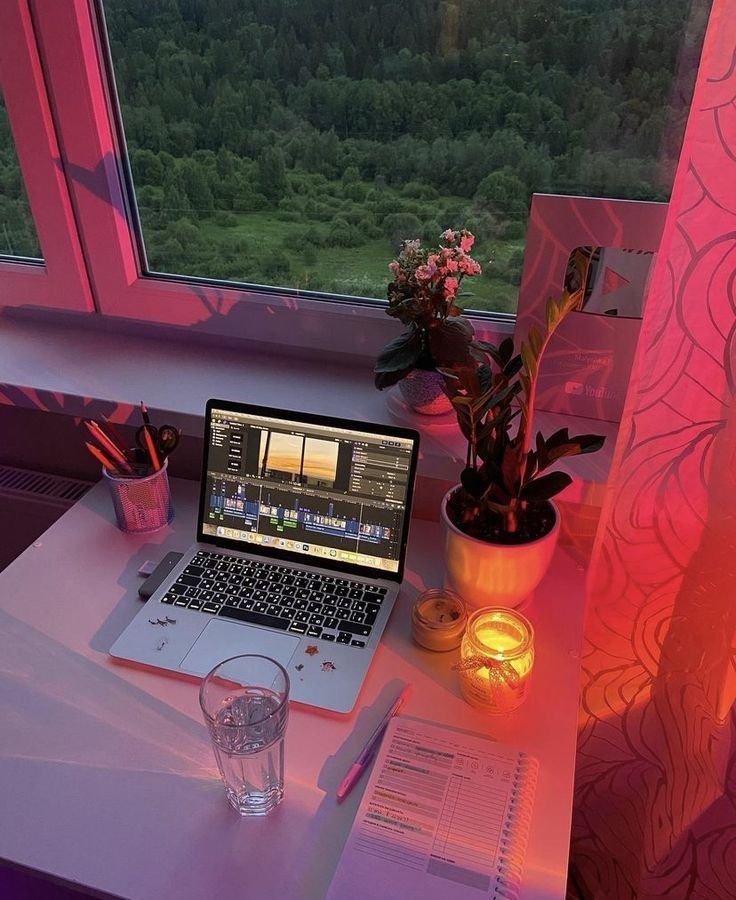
(299, 245)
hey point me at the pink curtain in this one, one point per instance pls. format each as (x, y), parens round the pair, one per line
(654, 808)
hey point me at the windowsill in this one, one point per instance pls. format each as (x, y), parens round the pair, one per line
(51, 363)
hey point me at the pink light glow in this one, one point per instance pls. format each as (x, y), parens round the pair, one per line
(653, 808)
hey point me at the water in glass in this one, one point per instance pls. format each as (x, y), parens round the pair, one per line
(248, 740)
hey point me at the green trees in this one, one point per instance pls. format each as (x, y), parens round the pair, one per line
(527, 85)
(17, 233)
(196, 186)
(503, 193)
(271, 179)
(401, 226)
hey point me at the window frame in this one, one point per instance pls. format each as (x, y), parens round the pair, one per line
(60, 279)
(83, 97)
(63, 108)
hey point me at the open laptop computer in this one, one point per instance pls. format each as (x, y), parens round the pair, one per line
(301, 540)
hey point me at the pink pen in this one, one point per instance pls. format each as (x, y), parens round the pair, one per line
(369, 751)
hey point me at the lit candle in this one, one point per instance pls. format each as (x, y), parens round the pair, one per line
(438, 620)
(496, 659)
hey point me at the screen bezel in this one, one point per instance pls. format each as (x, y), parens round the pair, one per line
(308, 419)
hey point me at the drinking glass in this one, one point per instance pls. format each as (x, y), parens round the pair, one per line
(245, 703)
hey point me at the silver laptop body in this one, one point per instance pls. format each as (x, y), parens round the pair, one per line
(301, 541)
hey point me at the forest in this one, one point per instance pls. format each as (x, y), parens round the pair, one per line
(296, 143)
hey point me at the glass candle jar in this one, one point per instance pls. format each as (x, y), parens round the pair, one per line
(496, 659)
(438, 619)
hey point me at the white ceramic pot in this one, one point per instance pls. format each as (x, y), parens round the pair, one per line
(488, 574)
(423, 391)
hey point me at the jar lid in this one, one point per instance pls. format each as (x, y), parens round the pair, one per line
(440, 610)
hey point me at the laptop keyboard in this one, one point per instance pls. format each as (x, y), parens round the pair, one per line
(319, 606)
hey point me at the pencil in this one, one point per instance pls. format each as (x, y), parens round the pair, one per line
(101, 458)
(144, 414)
(151, 447)
(114, 451)
(112, 432)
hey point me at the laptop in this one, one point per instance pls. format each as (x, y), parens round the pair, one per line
(301, 541)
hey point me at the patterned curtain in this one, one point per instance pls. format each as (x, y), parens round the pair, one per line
(655, 810)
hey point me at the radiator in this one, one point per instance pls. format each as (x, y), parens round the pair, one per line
(30, 502)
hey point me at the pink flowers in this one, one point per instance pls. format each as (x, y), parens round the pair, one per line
(426, 282)
(450, 287)
(468, 266)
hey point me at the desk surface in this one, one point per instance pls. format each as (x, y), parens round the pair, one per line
(106, 772)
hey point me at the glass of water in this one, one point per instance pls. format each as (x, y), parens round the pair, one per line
(245, 703)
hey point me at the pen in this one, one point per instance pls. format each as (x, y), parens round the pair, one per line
(148, 439)
(369, 751)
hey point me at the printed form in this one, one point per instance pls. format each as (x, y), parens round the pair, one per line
(435, 817)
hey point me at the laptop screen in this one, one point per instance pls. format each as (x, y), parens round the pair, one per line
(335, 496)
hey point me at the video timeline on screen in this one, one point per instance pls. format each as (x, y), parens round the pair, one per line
(280, 513)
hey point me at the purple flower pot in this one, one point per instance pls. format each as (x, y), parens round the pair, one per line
(422, 390)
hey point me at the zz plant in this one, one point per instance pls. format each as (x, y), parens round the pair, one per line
(507, 479)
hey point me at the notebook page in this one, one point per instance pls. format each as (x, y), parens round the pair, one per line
(432, 817)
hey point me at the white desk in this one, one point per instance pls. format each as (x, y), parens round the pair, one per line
(106, 774)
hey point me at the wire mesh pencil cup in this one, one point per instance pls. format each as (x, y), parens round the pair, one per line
(141, 504)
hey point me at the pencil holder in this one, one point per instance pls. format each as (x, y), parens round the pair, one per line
(141, 504)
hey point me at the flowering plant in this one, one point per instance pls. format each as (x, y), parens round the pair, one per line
(422, 296)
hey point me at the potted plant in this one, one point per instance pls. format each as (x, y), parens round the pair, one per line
(501, 526)
(422, 297)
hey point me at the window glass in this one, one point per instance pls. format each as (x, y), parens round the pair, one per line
(17, 231)
(296, 143)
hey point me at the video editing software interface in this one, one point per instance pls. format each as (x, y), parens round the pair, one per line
(325, 492)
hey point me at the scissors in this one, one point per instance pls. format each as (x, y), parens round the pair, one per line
(165, 439)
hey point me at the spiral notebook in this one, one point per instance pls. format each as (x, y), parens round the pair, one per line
(444, 814)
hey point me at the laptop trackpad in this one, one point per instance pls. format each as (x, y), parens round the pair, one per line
(221, 640)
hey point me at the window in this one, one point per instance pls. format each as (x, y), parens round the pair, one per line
(296, 144)
(60, 279)
(300, 142)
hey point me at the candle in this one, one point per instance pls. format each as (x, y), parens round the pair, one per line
(496, 659)
(438, 620)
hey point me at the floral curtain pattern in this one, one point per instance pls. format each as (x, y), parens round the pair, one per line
(655, 800)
